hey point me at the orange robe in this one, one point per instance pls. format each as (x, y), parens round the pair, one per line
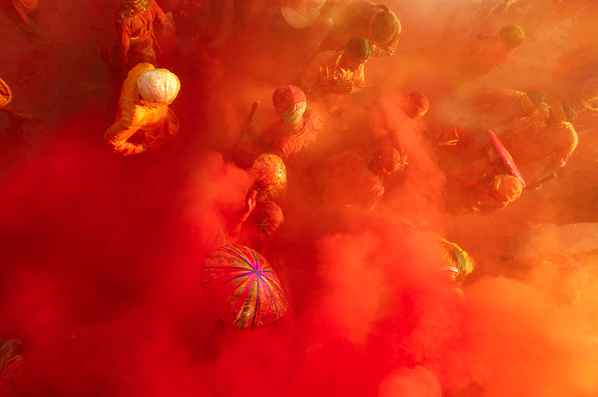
(324, 71)
(286, 140)
(355, 21)
(534, 145)
(137, 36)
(5, 94)
(137, 127)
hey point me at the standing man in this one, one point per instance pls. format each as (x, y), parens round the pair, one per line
(135, 21)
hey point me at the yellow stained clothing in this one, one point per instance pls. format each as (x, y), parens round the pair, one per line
(505, 106)
(324, 72)
(534, 145)
(5, 94)
(138, 127)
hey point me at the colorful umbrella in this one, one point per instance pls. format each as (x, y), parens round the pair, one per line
(504, 155)
(242, 287)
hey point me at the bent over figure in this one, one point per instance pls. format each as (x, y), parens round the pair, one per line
(144, 121)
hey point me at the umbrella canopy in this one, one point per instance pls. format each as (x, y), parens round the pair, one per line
(242, 287)
(505, 156)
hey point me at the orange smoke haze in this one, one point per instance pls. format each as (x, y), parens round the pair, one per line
(101, 254)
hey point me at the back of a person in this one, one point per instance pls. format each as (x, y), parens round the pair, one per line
(538, 144)
(141, 24)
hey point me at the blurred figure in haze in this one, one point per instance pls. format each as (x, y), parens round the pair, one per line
(296, 129)
(552, 143)
(24, 14)
(416, 105)
(135, 21)
(373, 21)
(581, 86)
(257, 224)
(331, 76)
(5, 103)
(11, 363)
(349, 180)
(505, 106)
(493, 50)
(144, 120)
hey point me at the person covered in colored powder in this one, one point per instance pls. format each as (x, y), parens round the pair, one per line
(296, 129)
(349, 180)
(373, 21)
(552, 142)
(144, 120)
(486, 185)
(505, 106)
(256, 224)
(331, 76)
(5, 103)
(25, 15)
(416, 105)
(493, 50)
(135, 21)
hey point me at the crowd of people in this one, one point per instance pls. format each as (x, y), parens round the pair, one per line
(332, 129)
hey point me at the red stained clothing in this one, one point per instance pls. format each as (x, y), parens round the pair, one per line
(136, 36)
(12, 8)
(286, 140)
(355, 21)
(349, 182)
(5, 94)
(139, 128)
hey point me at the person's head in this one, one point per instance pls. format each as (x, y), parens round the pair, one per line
(158, 87)
(454, 140)
(387, 160)
(270, 175)
(131, 8)
(268, 217)
(506, 188)
(416, 105)
(358, 51)
(384, 27)
(512, 36)
(564, 112)
(290, 103)
(531, 103)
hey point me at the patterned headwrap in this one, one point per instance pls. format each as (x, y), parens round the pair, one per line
(270, 175)
(132, 8)
(286, 97)
(528, 107)
(506, 188)
(268, 217)
(558, 113)
(158, 86)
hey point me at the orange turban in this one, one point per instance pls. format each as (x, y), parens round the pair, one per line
(506, 188)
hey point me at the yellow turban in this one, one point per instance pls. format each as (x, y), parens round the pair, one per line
(528, 107)
(557, 112)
